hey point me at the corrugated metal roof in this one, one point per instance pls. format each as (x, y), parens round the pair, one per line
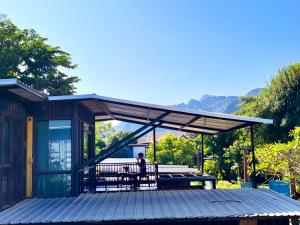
(211, 123)
(153, 205)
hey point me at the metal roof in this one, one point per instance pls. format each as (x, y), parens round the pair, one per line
(211, 123)
(106, 108)
(16, 87)
(149, 206)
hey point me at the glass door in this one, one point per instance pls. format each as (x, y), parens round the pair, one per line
(53, 158)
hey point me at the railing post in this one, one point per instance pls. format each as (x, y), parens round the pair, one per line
(202, 154)
(156, 175)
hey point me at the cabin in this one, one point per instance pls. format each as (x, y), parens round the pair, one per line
(51, 174)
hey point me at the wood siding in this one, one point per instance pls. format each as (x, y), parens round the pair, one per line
(12, 115)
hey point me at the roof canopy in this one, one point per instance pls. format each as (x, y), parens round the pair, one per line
(210, 123)
(105, 108)
(16, 87)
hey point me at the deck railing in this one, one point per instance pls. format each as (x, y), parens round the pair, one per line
(118, 177)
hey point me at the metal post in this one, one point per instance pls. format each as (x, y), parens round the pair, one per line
(202, 154)
(154, 146)
(198, 156)
(154, 158)
(253, 157)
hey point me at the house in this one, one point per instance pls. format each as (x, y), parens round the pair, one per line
(49, 170)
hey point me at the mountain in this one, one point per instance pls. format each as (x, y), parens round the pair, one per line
(212, 103)
(254, 92)
(209, 103)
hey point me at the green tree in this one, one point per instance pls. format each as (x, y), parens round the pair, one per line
(233, 155)
(281, 160)
(171, 150)
(216, 147)
(104, 132)
(25, 55)
(122, 153)
(279, 101)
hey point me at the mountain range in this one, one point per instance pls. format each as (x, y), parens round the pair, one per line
(209, 103)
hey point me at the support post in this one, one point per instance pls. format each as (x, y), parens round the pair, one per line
(154, 145)
(154, 157)
(245, 165)
(202, 154)
(253, 157)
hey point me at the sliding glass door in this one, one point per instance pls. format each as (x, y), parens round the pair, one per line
(53, 158)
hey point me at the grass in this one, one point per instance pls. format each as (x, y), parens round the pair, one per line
(223, 184)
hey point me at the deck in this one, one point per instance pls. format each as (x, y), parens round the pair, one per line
(123, 177)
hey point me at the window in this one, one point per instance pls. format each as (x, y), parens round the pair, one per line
(86, 134)
(54, 185)
(53, 157)
(54, 145)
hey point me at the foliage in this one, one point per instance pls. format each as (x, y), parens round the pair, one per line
(279, 101)
(233, 155)
(103, 134)
(216, 146)
(171, 150)
(106, 134)
(25, 55)
(281, 160)
(122, 153)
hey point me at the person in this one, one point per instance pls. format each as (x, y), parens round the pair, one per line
(142, 164)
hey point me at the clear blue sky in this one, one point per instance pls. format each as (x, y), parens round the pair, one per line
(167, 52)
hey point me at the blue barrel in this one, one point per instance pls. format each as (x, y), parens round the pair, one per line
(246, 185)
(280, 187)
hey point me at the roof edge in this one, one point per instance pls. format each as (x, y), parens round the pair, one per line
(159, 107)
(16, 82)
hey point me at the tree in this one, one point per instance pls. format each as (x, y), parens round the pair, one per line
(123, 152)
(216, 146)
(106, 134)
(233, 154)
(281, 160)
(103, 135)
(171, 150)
(25, 55)
(280, 101)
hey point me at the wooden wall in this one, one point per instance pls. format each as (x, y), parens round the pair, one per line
(13, 114)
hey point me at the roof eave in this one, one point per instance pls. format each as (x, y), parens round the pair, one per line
(250, 120)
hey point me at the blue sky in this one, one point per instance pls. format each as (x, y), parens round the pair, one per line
(167, 52)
